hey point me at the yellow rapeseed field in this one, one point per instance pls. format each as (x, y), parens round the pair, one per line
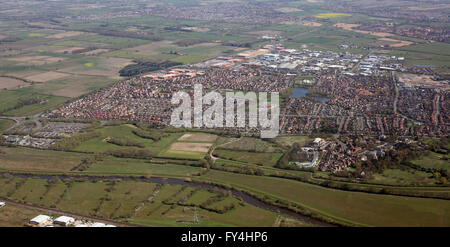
(331, 15)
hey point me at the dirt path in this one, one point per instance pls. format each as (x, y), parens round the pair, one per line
(214, 148)
(149, 199)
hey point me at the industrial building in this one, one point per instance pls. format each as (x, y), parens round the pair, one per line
(41, 220)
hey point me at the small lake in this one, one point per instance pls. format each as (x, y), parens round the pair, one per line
(300, 92)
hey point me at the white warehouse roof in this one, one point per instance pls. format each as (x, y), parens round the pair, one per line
(40, 219)
(317, 140)
(82, 225)
(65, 219)
(98, 224)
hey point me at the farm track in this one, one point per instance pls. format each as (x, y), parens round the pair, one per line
(149, 199)
(214, 158)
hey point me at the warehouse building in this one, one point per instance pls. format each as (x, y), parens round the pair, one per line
(41, 220)
(64, 221)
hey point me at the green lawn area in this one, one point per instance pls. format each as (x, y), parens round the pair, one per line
(124, 198)
(5, 124)
(29, 159)
(242, 216)
(16, 216)
(266, 159)
(112, 42)
(165, 142)
(112, 165)
(434, 161)
(53, 194)
(9, 185)
(245, 215)
(99, 144)
(435, 53)
(200, 196)
(126, 54)
(135, 201)
(249, 144)
(188, 59)
(181, 154)
(83, 197)
(30, 191)
(10, 99)
(432, 48)
(361, 208)
(289, 140)
(403, 177)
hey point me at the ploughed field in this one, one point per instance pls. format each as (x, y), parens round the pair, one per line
(115, 200)
(45, 63)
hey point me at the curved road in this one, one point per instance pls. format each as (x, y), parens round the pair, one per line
(20, 120)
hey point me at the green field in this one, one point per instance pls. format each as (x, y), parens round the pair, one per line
(16, 216)
(435, 53)
(9, 99)
(181, 154)
(27, 159)
(404, 177)
(360, 208)
(138, 202)
(6, 124)
(248, 144)
(289, 140)
(100, 144)
(111, 42)
(434, 161)
(138, 167)
(159, 148)
(265, 159)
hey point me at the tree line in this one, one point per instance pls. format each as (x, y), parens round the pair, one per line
(146, 66)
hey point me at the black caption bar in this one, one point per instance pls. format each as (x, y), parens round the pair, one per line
(221, 236)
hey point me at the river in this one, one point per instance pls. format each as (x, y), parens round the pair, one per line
(176, 181)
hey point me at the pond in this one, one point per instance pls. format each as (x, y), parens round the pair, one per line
(300, 92)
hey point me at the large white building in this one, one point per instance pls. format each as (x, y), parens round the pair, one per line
(41, 220)
(64, 221)
(98, 224)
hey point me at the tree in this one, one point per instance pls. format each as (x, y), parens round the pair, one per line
(437, 175)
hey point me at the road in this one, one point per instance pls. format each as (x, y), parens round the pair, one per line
(396, 92)
(20, 120)
(436, 115)
(359, 62)
(397, 95)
